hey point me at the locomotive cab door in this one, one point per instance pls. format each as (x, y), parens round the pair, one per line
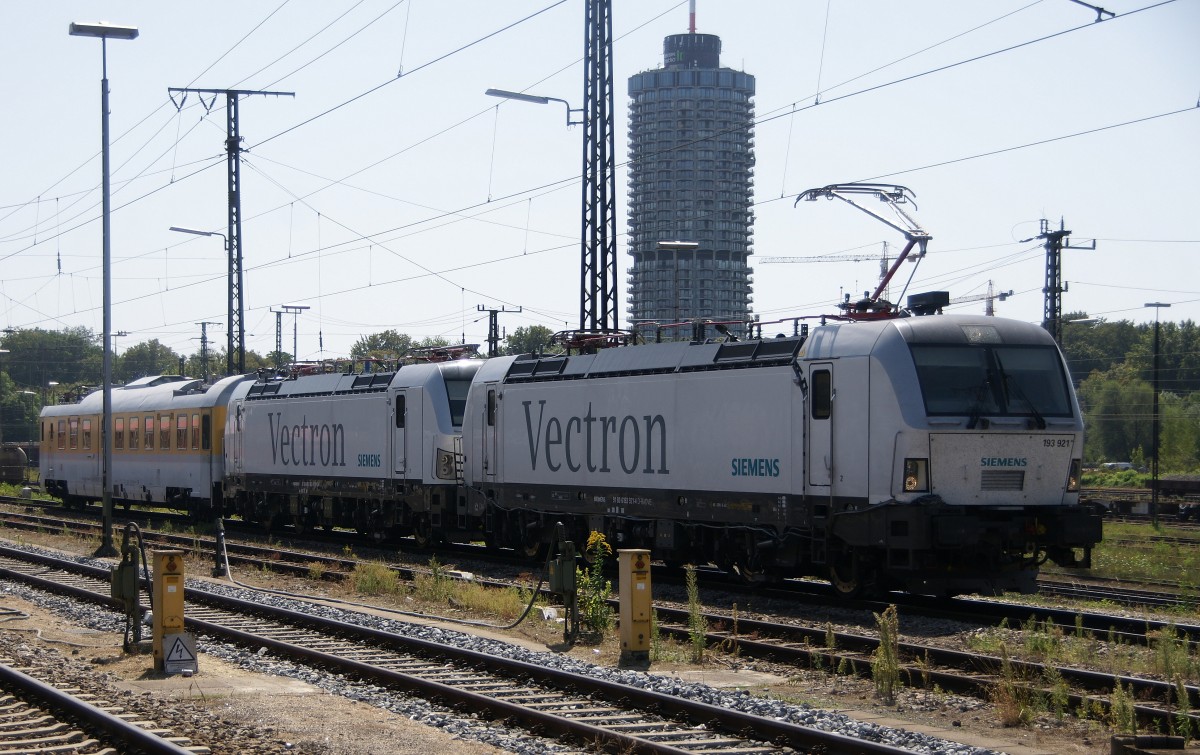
(492, 413)
(233, 440)
(819, 420)
(399, 420)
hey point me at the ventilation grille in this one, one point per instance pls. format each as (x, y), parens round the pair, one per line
(1002, 479)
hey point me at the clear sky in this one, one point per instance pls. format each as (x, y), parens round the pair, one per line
(391, 193)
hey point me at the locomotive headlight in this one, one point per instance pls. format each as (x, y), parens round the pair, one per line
(445, 465)
(1073, 476)
(916, 475)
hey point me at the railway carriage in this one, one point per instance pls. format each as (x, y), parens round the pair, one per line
(378, 452)
(167, 444)
(930, 453)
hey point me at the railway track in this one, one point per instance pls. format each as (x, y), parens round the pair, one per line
(39, 715)
(969, 673)
(576, 707)
(1103, 626)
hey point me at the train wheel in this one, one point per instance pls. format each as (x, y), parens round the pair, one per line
(424, 533)
(846, 578)
(753, 573)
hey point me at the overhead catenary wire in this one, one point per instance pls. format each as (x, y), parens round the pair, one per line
(939, 163)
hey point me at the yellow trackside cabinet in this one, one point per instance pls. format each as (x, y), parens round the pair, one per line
(634, 575)
(168, 601)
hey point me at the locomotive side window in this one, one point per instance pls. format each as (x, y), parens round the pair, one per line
(149, 428)
(400, 410)
(822, 392)
(992, 379)
(491, 407)
(135, 431)
(119, 433)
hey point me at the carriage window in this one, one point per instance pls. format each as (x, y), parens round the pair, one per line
(195, 432)
(149, 433)
(206, 432)
(822, 392)
(135, 430)
(87, 434)
(62, 435)
(400, 410)
(119, 433)
(73, 423)
(164, 432)
(181, 432)
(491, 407)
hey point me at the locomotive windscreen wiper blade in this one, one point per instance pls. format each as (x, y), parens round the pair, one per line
(1006, 381)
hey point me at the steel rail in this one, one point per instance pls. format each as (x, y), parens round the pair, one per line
(734, 722)
(132, 738)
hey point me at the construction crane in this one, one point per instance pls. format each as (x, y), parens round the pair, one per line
(990, 297)
(884, 260)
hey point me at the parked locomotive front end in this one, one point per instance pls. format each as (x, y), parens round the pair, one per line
(975, 448)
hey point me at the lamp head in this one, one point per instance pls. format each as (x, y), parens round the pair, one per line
(103, 30)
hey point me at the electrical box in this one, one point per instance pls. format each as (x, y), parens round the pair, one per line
(562, 571)
(168, 612)
(635, 605)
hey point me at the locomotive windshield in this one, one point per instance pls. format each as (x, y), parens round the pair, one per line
(456, 389)
(992, 380)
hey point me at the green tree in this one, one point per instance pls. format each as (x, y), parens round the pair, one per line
(36, 356)
(1179, 439)
(1118, 415)
(388, 344)
(1096, 347)
(527, 340)
(19, 409)
(145, 359)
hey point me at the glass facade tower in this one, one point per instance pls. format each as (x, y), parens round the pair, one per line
(691, 186)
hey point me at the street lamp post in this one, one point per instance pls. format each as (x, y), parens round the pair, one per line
(536, 100)
(105, 32)
(294, 310)
(1154, 442)
(51, 386)
(235, 353)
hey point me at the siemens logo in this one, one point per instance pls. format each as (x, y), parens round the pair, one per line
(1002, 461)
(754, 467)
(369, 460)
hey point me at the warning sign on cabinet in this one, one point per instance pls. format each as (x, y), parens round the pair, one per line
(179, 653)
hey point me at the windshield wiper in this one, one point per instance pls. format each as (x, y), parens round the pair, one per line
(1007, 381)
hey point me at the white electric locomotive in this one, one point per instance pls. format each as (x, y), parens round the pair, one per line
(378, 452)
(935, 454)
(167, 444)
